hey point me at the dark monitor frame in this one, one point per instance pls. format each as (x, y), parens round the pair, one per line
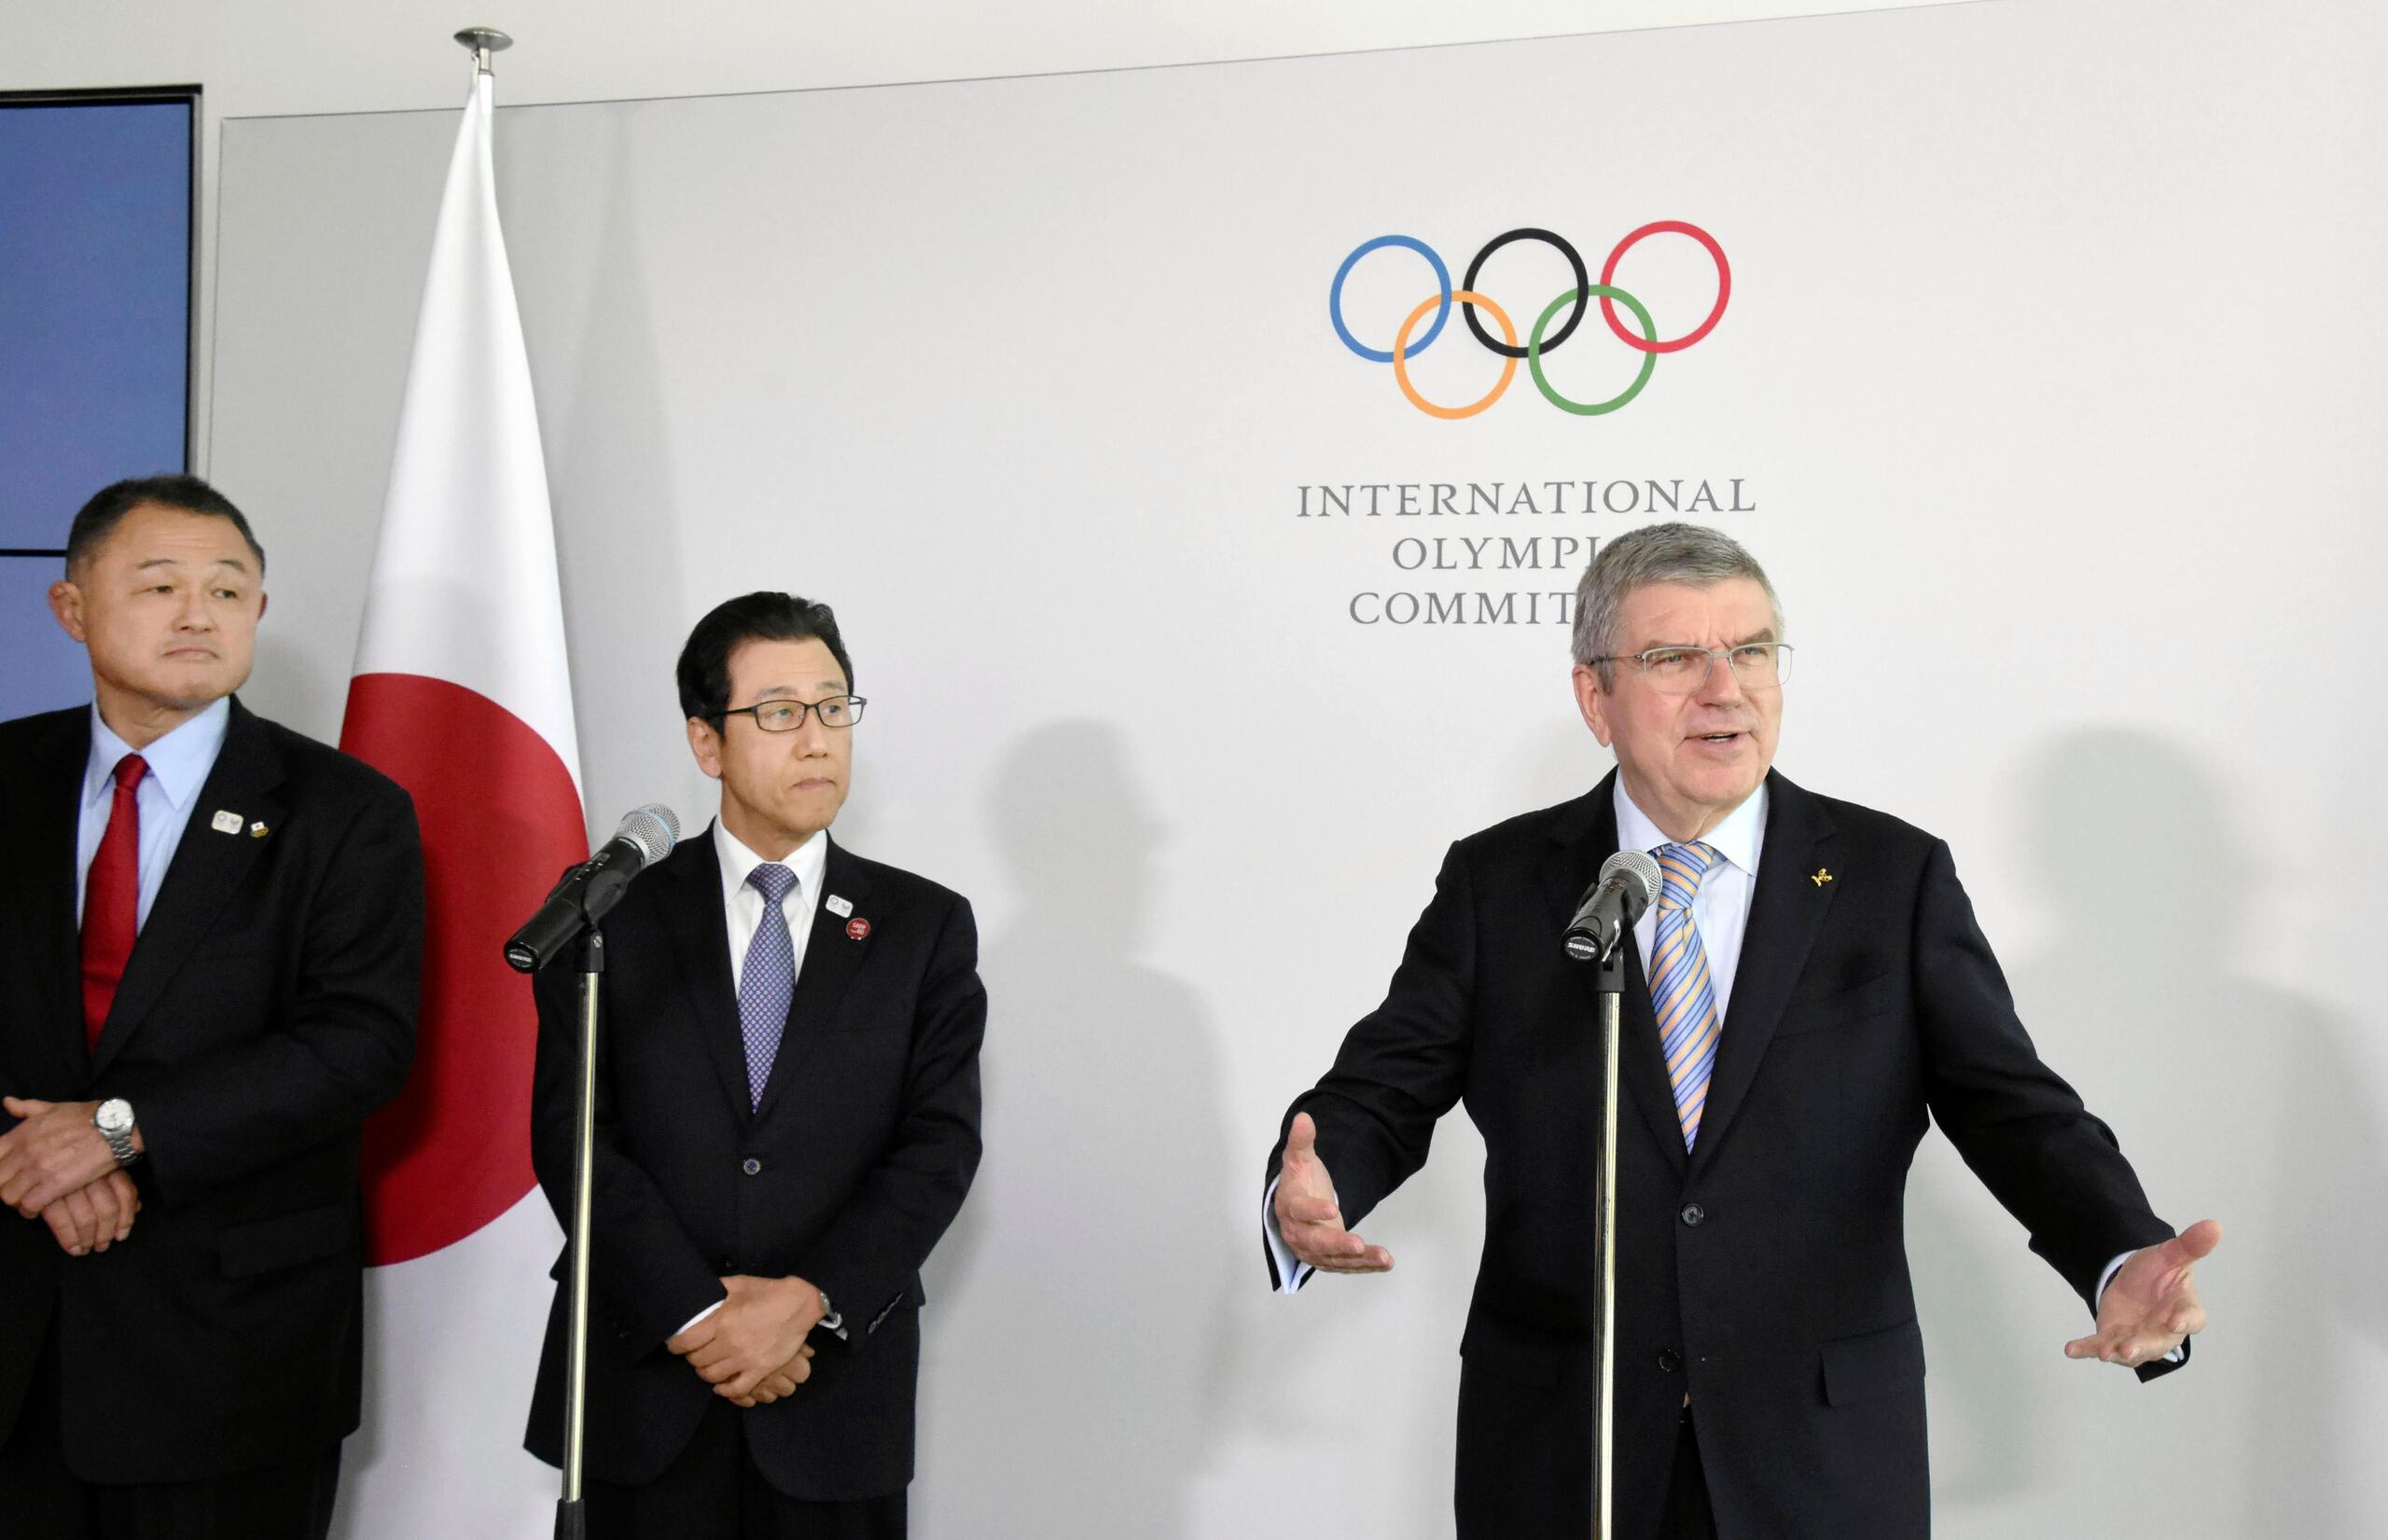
(191, 97)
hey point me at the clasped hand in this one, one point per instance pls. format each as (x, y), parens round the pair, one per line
(753, 1349)
(1307, 1215)
(55, 1166)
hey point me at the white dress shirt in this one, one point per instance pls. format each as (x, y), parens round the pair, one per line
(742, 904)
(1720, 910)
(179, 763)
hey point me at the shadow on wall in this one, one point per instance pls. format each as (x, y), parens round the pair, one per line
(1979, 1394)
(2289, 1129)
(1073, 1385)
(612, 477)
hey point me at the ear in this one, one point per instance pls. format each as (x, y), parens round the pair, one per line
(705, 744)
(261, 604)
(66, 606)
(1592, 701)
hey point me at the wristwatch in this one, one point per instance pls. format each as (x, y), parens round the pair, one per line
(115, 1122)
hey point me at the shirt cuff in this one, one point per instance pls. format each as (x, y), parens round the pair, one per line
(2097, 1298)
(700, 1315)
(1291, 1274)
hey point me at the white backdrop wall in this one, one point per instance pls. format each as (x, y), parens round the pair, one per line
(2050, 383)
(261, 57)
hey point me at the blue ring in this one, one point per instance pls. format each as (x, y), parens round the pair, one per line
(1335, 297)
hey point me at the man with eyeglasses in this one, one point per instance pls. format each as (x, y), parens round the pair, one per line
(787, 1121)
(1808, 987)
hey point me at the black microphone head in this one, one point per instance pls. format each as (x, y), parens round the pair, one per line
(653, 828)
(1638, 871)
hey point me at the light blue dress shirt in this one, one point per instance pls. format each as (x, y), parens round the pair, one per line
(179, 764)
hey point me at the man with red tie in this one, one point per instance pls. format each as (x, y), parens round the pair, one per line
(212, 929)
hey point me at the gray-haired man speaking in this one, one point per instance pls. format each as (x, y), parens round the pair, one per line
(1809, 986)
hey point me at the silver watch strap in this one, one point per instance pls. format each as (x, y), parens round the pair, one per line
(119, 1144)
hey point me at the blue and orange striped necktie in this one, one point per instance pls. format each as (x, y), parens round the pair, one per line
(1681, 990)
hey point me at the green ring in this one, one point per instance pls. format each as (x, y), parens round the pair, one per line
(1534, 352)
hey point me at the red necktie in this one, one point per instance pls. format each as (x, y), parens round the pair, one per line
(112, 900)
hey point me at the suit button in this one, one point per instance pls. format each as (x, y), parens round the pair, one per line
(751, 1166)
(725, 1266)
(1669, 1360)
(1693, 1213)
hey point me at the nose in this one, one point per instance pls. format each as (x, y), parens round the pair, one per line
(1721, 685)
(191, 614)
(811, 737)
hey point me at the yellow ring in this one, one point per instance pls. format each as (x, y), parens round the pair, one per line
(1401, 352)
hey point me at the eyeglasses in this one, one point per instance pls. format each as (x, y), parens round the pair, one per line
(1680, 670)
(837, 711)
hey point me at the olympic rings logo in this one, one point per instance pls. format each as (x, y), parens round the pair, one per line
(1541, 340)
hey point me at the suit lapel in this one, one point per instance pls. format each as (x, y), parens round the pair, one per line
(49, 783)
(694, 918)
(832, 957)
(1587, 832)
(1785, 915)
(208, 868)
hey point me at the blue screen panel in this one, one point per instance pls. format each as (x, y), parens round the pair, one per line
(94, 304)
(41, 667)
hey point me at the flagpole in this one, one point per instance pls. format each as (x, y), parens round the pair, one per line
(571, 1512)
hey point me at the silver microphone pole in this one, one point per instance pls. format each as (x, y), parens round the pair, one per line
(1629, 881)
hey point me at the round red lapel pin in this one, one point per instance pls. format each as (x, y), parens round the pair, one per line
(858, 929)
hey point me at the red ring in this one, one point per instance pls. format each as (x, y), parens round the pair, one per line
(1724, 286)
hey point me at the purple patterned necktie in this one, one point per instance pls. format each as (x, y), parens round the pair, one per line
(768, 982)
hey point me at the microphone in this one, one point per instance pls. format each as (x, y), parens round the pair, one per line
(1629, 881)
(589, 889)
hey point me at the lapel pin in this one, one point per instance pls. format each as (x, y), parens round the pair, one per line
(839, 906)
(858, 929)
(258, 830)
(1821, 877)
(225, 823)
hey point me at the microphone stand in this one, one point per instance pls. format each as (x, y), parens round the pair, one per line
(1608, 984)
(572, 1516)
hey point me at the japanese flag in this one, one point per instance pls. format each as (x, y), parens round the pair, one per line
(462, 695)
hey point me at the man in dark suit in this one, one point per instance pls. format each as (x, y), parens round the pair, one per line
(1808, 986)
(787, 1120)
(212, 929)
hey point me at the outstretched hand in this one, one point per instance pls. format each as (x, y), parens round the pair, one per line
(1307, 1214)
(2152, 1302)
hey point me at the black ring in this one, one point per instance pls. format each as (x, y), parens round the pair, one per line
(1583, 285)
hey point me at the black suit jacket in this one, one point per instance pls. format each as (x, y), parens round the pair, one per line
(846, 1175)
(268, 1006)
(1764, 1273)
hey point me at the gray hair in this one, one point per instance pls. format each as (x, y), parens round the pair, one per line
(1691, 554)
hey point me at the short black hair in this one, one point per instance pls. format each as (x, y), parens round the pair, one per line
(704, 662)
(108, 506)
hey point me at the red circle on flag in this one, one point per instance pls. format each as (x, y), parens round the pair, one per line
(858, 929)
(500, 818)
